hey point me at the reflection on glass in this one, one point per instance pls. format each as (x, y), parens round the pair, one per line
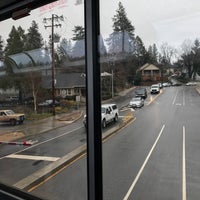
(42, 65)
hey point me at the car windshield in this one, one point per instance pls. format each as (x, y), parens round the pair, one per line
(140, 91)
(136, 99)
(103, 110)
(10, 112)
(154, 86)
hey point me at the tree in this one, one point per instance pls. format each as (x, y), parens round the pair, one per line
(186, 57)
(123, 31)
(1, 49)
(33, 82)
(78, 50)
(196, 58)
(33, 39)
(79, 33)
(153, 54)
(15, 43)
(140, 52)
(167, 53)
(121, 23)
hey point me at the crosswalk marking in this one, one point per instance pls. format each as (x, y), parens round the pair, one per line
(29, 157)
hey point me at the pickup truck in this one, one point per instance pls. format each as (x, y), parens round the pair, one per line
(11, 117)
(109, 113)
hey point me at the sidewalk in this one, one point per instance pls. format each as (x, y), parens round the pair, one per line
(31, 128)
(42, 173)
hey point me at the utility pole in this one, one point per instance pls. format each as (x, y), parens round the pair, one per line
(53, 18)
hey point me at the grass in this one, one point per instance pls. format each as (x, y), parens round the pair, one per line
(35, 116)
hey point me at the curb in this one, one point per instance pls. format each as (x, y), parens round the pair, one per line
(61, 119)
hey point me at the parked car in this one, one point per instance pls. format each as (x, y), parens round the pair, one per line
(176, 84)
(49, 102)
(11, 117)
(166, 84)
(109, 113)
(191, 84)
(155, 89)
(136, 102)
(141, 92)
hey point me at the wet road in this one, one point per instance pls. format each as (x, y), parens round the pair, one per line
(155, 157)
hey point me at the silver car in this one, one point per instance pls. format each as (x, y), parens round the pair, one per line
(136, 102)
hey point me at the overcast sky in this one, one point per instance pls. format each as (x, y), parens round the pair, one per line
(155, 21)
(158, 21)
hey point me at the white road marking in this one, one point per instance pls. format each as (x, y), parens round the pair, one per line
(184, 196)
(178, 104)
(175, 98)
(143, 166)
(29, 157)
(183, 98)
(66, 133)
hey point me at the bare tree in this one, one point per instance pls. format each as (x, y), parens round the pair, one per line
(33, 84)
(167, 53)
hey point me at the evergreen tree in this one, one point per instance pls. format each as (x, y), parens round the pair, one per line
(153, 54)
(1, 49)
(65, 48)
(21, 33)
(123, 32)
(34, 39)
(140, 52)
(15, 42)
(121, 23)
(79, 33)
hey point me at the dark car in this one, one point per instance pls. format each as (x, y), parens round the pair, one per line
(141, 92)
(49, 102)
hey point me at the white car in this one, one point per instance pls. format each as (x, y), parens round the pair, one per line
(191, 84)
(109, 113)
(136, 102)
(166, 84)
(155, 89)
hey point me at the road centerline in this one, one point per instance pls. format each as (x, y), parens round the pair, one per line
(143, 165)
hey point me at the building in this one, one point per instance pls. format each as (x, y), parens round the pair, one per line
(67, 85)
(150, 72)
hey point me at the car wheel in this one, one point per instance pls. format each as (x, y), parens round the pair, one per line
(13, 122)
(116, 118)
(104, 123)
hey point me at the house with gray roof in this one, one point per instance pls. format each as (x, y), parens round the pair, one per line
(68, 84)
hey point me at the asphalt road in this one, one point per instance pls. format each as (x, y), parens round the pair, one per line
(154, 157)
